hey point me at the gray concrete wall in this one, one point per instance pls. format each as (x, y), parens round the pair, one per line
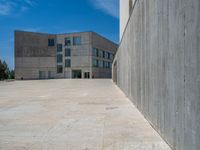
(158, 68)
(32, 55)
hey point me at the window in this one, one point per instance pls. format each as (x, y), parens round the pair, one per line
(100, 63)
(111, 56)
(67, 52)
(101, 53)
(68, 41)
(95, 63)
(109, 65)
(76, 40)
(106, 55)
(59, 58)
(59, 68)
(51, 42)
(106, 64)
(68, 63)
(95, 52)
(59, 47)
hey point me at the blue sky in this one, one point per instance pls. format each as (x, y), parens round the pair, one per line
(56, 16)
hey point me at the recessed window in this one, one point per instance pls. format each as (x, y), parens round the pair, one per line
(76, 40)
(68, 41)
(111, 56)
(59, 47)
(59, 69)
(68, 63)
(67, 52)
(51, 42)
(95, 52)
(59, 58)
(106, 55)
(101, 53)
(95, 63)
(100, 63)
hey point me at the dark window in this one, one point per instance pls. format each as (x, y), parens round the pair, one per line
(68, 63)
(101, 53)
(51, 42)
(59, 68)
(106, 55)
(67, 52)
(106, 65)
(76, 40)
(59, 58)
(68, 41)
(101, 63)
(59, 47)
(95, 63)
(109, 65)
(87, 75)
(111, 56)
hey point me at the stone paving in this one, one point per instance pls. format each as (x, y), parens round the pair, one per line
(72, 115)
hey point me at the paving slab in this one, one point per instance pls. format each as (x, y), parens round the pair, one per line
(72, 115)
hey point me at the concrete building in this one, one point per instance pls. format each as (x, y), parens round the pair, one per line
(157, 66)
(74, 55)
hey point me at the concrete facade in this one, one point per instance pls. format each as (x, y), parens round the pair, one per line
(69, 56)
(157, 66)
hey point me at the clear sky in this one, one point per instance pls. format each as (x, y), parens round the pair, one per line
(55, 16)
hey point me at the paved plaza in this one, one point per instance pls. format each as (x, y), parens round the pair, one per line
(72, 115)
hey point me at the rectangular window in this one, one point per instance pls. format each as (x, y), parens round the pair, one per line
(59, 58)
(68, 63)
(59, 47)
(95, 52)
(95, 63)
(105, 64)
(59, 69)
(106, 55)
(87, 75)
(109, 65)
(111, 56)
(101, 53)
(68, 41)
(100, 63)
(67, 52)
(76, 40)
(51, 42)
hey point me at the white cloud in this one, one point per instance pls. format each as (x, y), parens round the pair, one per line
(8, 7)
(110, 7)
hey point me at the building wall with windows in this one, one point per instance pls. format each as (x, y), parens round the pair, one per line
(44, 56)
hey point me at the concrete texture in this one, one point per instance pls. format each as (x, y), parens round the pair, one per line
(72, 115)
(158, 67)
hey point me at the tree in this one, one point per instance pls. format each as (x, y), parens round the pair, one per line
(5, 73)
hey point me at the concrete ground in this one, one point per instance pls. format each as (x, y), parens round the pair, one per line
(72, 115)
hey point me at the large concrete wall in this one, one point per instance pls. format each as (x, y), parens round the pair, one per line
(158, 67)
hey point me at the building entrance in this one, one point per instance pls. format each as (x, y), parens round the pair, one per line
(76, 74)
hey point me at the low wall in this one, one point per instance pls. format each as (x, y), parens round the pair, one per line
(158, 68)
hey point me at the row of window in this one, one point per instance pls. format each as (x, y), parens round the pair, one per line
(67, 50)
(101, 63)
(102, 54)
(67, 65)
(68, 42)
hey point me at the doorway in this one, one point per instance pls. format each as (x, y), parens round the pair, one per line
(76, 74)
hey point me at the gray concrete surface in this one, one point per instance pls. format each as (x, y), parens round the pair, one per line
(72, 115)
(158, 67)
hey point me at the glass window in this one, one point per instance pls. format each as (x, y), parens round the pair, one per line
(109, 65)
(67, 52)
(76, 40)
(105, 64)
(68, 41)
(95, 63)
(68, 63)
(59, 58)
(59, 47)
(95, 52)
(101, 53)
(106, 55)
(51, 42)
(111, 56)
(59, 68)
(100, 63)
